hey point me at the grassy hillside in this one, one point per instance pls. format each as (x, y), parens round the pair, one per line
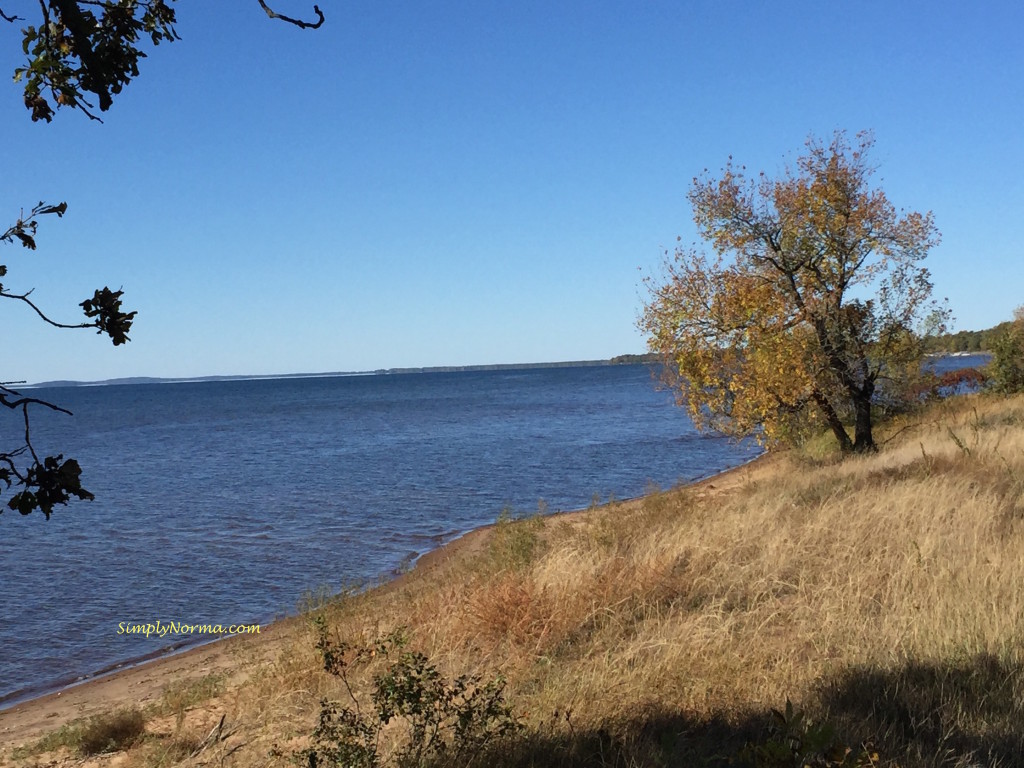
(882, 596)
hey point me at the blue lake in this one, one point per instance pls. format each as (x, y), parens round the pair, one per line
(225, 502)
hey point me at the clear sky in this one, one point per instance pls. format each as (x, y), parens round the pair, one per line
(446, 183)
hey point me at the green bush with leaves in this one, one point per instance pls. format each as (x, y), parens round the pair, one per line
(1006, 369)
(434, 721)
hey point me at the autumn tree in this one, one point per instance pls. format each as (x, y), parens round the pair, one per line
(79, 55)
(813, 302)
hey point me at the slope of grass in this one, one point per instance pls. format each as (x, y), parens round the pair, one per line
(882, 596)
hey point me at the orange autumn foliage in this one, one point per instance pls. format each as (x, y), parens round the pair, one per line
(775, 329)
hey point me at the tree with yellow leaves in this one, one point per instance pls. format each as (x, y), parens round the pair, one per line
(813, 303)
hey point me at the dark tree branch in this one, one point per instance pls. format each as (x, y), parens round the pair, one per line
(23, 401)
(28, 435)
(297, 22)
(10, 19)
(83, 106)
(27, 300)
(6, 458)
(24, 229)
(79, 27)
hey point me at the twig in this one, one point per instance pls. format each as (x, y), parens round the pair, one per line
(297, 22)
(28, 435)
(900, 431)
(211, 739)
(24, 297)
(234, 749)
(24, 401)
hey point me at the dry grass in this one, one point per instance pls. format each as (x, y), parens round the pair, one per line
(883, 594)
(111, 732)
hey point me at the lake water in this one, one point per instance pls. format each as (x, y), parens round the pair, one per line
(224, 502)
(946, 363)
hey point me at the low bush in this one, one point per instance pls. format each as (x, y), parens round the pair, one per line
(417, 717)
(109, 733)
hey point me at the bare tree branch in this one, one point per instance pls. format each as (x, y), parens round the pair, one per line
(297, 22)
(28, 434)
(24, 297)
(10, 19)
(21, 401)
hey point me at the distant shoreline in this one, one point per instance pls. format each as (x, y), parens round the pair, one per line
(643, 359)
(620, 360)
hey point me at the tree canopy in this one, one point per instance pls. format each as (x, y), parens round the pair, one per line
(79, 54)
(814, 298)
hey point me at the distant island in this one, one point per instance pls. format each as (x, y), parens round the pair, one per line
(618, 360)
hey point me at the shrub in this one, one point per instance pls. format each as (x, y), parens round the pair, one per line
(110, 733)
(1006, 370)
(438, 722)
(935, 387)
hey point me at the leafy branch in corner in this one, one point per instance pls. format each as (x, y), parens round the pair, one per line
(81, 53)
(45, 482)
(74, 51)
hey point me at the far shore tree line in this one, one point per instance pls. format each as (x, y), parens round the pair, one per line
(985, 340)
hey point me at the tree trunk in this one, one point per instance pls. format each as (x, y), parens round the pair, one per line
(863, 441)
(845, 445)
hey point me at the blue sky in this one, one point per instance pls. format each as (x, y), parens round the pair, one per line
(480, 182)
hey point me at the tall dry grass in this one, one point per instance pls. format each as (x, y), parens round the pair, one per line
(883, 594)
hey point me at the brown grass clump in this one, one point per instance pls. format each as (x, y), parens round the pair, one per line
(881, 595)
(111, 732)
